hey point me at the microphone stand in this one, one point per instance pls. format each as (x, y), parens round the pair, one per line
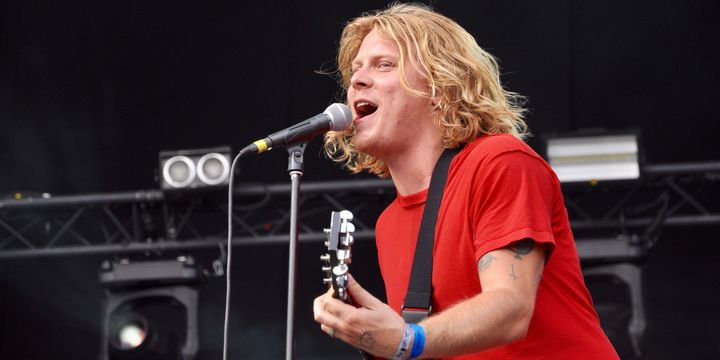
(295, 169)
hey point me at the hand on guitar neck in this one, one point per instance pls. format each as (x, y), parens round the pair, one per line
(336, 262)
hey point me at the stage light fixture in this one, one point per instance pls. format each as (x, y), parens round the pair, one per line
(150, 309)
(194, 169)
(179, 171)
(594, 157)
(130, 335)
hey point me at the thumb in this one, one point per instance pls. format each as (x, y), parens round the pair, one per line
(360, 296)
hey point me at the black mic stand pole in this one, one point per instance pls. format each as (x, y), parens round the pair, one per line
(295, 169)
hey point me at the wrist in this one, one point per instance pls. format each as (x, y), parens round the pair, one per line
(405, 343)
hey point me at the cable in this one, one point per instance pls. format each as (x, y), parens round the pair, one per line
(259, 204)
(229, 253)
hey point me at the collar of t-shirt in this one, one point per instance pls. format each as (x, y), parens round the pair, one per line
(415, 199)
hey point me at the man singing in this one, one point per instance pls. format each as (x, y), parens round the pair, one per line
(506, 280)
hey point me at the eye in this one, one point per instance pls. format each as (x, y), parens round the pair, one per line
(385, 66)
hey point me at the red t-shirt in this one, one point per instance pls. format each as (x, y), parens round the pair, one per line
(498, 191)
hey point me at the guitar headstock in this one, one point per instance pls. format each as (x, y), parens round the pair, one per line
(337, 260)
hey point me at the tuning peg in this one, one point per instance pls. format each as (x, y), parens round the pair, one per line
(326, 268)
(340, 270)
(348, 240)
(343, 255)
(346, 215)
(347, 227)
(327, 281)
(342, 294)
(341, 281)
(325, 257)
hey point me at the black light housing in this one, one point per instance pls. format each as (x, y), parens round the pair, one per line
(150, 310)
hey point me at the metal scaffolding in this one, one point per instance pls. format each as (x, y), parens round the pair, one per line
(156, 221)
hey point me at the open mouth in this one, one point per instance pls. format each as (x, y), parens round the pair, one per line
(364, 108)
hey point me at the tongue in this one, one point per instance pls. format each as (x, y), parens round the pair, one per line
(367, 109)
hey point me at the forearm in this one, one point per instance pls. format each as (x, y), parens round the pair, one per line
(493, 318)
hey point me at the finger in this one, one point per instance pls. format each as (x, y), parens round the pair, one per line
(320, 312)
(337, 307)
(330, 323)
(360, 296)
(318, 305)
(326, 310)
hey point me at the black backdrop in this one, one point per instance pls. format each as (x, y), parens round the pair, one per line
(91, 91)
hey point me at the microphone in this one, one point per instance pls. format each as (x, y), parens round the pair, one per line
(336, 117)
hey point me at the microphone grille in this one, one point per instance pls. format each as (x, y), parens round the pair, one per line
(340, 116)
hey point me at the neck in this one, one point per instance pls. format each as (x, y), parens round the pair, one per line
(411, 171)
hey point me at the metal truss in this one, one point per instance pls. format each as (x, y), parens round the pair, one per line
(155, 221)
(629, 214)
(667, 195)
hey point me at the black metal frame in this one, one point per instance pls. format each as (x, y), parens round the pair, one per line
(141, 221)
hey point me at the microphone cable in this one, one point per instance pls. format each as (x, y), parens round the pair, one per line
(229, 252)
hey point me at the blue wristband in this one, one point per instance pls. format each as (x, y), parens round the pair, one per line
(418, 341)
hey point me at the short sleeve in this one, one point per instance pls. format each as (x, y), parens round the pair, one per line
(512, 199)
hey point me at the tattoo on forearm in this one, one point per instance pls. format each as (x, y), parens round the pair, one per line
(522, 247)
(515, 277)
(485, 262)
(367, 340)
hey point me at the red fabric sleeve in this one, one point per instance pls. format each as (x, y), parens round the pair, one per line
(513, 199)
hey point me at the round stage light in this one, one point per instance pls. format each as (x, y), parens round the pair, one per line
(213, 168)
(179, 171)
(131, 335)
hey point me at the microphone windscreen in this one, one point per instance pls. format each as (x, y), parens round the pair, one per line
(340, 116)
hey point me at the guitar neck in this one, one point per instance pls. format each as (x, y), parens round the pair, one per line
(336, 263)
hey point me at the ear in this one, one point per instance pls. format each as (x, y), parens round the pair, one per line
(435, 100)
(434, 96)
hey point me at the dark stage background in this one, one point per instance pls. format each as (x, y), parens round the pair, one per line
(91, 91)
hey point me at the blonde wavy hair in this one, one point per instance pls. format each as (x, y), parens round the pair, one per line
(463, 79)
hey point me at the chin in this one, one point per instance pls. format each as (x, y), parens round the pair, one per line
(372, 148)
(364, 144)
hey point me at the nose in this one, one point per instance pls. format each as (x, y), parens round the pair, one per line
(360, 79)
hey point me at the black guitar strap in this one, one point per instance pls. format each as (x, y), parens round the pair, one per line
(418, 299)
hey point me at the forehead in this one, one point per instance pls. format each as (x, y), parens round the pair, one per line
(376, 43)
